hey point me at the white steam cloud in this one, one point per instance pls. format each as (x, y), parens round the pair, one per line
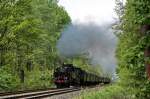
(96, 41)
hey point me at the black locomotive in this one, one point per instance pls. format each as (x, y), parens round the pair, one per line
(68, 75)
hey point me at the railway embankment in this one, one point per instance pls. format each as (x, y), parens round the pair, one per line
(73, 95)
(111, 91)
(54, 93)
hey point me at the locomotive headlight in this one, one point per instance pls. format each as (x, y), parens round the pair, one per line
(66, 78)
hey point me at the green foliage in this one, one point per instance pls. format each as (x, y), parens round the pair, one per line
(38, 79)
(29, 30)
(84, 64)
(8, 81)
(130, 51)
(108, 92)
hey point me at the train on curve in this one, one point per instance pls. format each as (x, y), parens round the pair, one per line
(69, 75)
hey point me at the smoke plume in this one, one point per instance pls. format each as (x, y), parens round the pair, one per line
(96, 41)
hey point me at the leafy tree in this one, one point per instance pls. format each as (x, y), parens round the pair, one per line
(130, 51)
(29, 30)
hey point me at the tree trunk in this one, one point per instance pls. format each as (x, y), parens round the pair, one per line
(147, 54)
(144, 31)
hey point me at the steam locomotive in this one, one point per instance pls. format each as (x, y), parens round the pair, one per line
(69, 75)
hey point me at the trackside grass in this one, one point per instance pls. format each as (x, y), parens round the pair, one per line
(107, 92)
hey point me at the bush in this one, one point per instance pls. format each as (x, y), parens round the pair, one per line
(8, 81)
(38, 79)
(107, 92)
(35, 79)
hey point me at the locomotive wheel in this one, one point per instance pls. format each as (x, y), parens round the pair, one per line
(63, 85)
(67, 85)
(59, 86)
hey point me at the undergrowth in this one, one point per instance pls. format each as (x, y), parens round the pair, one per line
(114, 91)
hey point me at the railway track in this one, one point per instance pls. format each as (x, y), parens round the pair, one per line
(37, 94)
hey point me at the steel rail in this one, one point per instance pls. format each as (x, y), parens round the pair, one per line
(39, 94)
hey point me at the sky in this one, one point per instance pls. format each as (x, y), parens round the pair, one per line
(90, 10)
